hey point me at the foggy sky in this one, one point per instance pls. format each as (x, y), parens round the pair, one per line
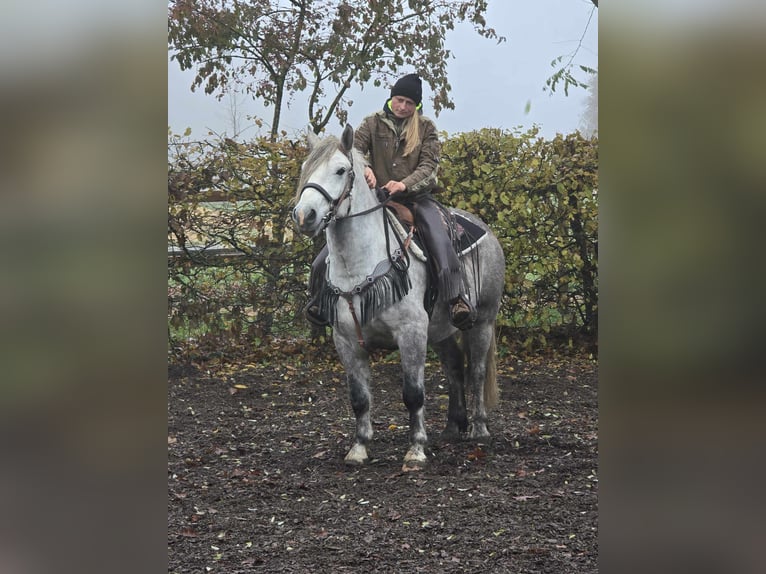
(492, 83)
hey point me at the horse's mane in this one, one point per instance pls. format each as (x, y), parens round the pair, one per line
(322, 153)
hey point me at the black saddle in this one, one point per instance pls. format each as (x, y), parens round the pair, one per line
(464, 233)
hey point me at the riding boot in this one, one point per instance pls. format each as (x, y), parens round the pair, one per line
(313, 310)
(461, 313)
(435, 233)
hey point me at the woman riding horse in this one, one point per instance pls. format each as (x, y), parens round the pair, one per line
(375, 298)
(402, 149)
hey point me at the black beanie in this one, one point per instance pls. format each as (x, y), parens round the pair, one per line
(409, 86)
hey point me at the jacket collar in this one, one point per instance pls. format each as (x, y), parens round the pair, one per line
(388, 118)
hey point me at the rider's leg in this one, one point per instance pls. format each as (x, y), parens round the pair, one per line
(433, 229)
(316, 282)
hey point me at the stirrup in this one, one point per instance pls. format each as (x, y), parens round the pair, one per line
(311, 311)
(461, 313)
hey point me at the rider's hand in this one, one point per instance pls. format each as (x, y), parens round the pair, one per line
(369, 177)
(395, 187)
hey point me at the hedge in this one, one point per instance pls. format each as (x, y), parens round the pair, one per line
(237, 274)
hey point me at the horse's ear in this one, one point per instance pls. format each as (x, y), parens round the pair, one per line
(347, 139)
(311, 138)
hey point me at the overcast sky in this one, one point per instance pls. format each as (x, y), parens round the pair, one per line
(492, 83)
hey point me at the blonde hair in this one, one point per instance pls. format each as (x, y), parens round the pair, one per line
(411, 133)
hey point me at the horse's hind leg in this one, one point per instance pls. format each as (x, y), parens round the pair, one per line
(453, 364)
(479, 341)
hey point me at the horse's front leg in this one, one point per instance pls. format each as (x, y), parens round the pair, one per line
(361, 399)
(413, 356)
(357, 365)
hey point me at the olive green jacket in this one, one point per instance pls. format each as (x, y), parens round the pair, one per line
(380, 139)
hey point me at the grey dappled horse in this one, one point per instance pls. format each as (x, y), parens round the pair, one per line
(379, 299)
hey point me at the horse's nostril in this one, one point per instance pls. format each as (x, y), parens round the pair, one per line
(303, 218)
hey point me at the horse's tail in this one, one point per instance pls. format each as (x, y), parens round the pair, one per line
(491, 392)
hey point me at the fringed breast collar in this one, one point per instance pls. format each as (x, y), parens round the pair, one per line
(388, 284)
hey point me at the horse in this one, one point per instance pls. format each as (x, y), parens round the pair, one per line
(380, 294)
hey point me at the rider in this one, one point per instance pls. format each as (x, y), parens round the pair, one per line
(403, 148)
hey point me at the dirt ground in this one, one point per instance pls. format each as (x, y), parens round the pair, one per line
(256, 480)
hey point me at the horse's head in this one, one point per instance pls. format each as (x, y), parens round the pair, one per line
(326, 182)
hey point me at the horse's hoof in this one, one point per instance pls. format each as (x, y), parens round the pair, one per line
(357, 456)
(450, 434)
(479, 432)
(413, 465)
(414, 460)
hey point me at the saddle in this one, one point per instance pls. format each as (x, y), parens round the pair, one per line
(403, 214)
(403, 227)
(466, 233)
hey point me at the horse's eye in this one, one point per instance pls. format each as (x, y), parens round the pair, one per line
(340, 171)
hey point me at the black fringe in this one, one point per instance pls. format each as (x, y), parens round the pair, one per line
(376, 295)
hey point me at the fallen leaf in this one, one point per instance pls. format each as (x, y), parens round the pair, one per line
(476, 454)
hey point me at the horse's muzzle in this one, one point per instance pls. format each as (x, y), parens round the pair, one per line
(306, 221)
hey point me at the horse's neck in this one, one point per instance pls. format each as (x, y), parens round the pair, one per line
(356, 244)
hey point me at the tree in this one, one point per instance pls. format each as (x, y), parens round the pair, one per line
(564, 72)
(273, 49)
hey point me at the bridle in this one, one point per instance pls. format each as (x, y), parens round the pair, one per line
(332, 214)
